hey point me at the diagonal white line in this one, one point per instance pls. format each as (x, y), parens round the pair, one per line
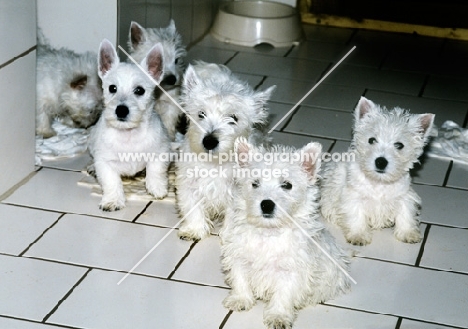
(313, 88)
(316, 243)
(159, 242)
(162, 89)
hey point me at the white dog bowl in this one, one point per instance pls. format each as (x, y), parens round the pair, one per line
(249, 23)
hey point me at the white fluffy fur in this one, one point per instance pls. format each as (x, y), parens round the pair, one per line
(139, 130)
(264, 253)
(374, 191)
(140, 41)
(68, 88)
(226, 108)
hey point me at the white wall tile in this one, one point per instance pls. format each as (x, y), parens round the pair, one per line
(17, 27)
(78, 25)
(17, 120)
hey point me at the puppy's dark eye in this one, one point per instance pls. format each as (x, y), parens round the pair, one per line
(112, 89)
(372, 140)
(399, 145)
(139, 91)
(201, 114)
(179, 60)
(286, 185)
(234, 118)
(255, 183)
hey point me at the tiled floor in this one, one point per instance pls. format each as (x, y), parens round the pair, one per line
(62, 258)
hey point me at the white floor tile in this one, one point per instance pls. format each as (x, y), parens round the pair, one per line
(409, 324)
(21, 226)
(278, 115)
(285, 68)
(140, 302)
(110, 244)
(59, 191)
(444, 110)
(322, 51)
(458, 176)
(396, 40)
(319, 316)
(408, 292)
(252, 80)
(298, 141)
(334, 97)
(203, 264)
(430, 171)
(23, 324)
(445, 249)
(209, 55)
(384, 246)
(325, 95)
(30, 289)
(443, 205)
(211, 42)
(340, 146)
(446, 88)
(321, 123)
(161, 213)
(392, 81)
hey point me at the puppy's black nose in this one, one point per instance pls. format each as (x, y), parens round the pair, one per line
(210, 142)
(268, 207)
(381, 163)
(121, 111)
(169, 80)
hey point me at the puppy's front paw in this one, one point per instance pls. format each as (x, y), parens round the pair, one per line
(238, 303)
(193, 232)
(159, 192)
(410, 236)
(277, 322)
(359, 239)
(111, 205)
(191, 235)
(157, 188)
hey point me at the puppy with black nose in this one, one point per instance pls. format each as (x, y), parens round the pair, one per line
(222, 107)
(267, 240)
(129, 125)
(375, 191)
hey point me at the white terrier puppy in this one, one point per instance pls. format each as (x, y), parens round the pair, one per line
(272, 232)
(68, 88)
(128, 124)
(223, 108)
(374, 191)
(140, 41)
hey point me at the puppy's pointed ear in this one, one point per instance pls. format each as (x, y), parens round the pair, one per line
(364, 106)
(191, 78)
(310, 157)
(426, 121)
(136, 35)
(261, 98)
(171, 27)
(242, 148)
(107, 58)
(154, 62)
